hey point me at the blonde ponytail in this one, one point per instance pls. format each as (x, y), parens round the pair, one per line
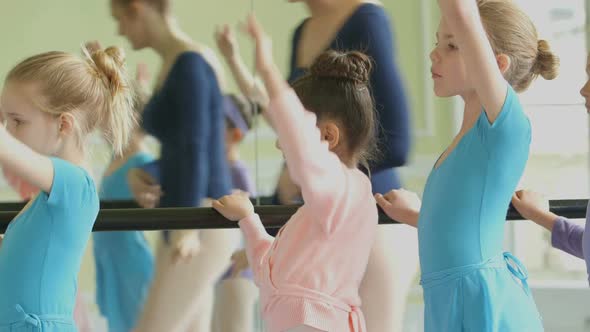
(94, 89)
(117, 118)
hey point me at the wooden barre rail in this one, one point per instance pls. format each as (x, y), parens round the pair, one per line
(273, 216)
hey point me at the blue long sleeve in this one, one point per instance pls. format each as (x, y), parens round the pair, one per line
(370, 31)
(185, 116)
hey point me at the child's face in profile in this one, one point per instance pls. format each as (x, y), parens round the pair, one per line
(448, 68)
(26, 122)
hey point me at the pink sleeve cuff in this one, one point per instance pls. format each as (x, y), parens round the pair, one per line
(252, 228)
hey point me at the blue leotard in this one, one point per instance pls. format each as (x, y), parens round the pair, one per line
(469, 283)
(124, 262)
(42, 251)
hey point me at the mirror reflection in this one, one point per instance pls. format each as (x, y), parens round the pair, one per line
(206, 128)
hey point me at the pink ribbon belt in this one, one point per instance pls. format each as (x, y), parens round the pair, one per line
(355, 315)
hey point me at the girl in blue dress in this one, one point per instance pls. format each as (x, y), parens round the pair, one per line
(487, 51)
(51, 102)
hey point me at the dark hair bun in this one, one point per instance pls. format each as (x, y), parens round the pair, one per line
(349, 66)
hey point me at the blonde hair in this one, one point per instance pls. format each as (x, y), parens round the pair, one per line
(94, 89)
(511, 32)
(140, 100)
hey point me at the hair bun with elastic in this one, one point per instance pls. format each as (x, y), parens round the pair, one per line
(348, 66)
(110, 63)
(547, 63)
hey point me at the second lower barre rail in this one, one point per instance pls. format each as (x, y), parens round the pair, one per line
(273, 216)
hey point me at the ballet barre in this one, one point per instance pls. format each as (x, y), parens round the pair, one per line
(273, 216)
(121, 204)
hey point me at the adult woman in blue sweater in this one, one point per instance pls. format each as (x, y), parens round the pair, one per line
(185, 115)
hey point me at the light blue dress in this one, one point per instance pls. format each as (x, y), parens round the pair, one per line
(42, 251)
(124, 262)
(469, 283)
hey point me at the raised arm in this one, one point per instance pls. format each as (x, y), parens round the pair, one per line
(25, 163)
(248, 84)
(466, 29)
(312, 166)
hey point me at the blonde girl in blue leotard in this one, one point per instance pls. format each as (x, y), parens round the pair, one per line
(486, 52)
(51, 102)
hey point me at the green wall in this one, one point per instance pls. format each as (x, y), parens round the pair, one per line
(31, 26)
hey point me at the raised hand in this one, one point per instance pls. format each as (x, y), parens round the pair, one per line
(265, 65)
(226, 41)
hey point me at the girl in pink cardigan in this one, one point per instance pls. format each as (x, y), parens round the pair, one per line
(309, 275)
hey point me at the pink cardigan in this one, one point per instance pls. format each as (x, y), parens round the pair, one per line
(311, 273)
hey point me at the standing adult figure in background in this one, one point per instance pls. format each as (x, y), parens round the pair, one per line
(185, 115)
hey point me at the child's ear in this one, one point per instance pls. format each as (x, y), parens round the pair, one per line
(330, 133)
(503, 62)
(66, 124)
